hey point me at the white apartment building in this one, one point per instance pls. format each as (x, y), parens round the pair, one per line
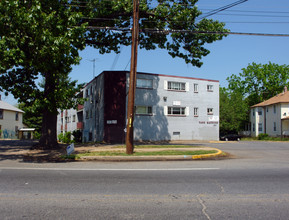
(166, 108)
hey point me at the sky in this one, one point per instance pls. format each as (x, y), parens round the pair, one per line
(226, 57)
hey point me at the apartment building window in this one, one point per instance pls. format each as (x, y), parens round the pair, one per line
(1, 113)
(253, 112)
(178, 111)
(179, 86)
(16, 116)
(87, 114)
(143, 110)
(196, 112)
(210, 88)
(196, 88)
(210, 111)
(259, 111)
(274, 127)
(260, 127)
(253, 127)
(144, 83)
(73, 118)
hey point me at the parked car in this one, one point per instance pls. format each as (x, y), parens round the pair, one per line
(230, 137)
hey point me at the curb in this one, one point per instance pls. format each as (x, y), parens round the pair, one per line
(151, 158)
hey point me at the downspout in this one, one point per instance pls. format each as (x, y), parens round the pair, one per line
(265, 121)
(281, 127)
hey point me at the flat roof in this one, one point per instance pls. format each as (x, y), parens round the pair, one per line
(153, 74)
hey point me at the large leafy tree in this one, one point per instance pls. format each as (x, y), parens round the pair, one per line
(42, 38)
(256, 83)
(259, 82)
(31, 117)
(233, 111)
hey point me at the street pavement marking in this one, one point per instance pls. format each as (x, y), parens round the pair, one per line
(100, 169)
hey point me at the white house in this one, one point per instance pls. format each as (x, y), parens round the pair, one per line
(271, 116)
(10, 120)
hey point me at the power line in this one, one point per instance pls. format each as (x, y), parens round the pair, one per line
(169, 31)
(116, 59)
(222, 9)
(218, 33)
(210, 13)
(183, 21)
(76, 4)
(251, 15)
(249, 11)
(256, 22)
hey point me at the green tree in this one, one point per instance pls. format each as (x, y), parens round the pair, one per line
(260, 82)
(233, 111)
(256, 83)
(31, 117)
(42, 38)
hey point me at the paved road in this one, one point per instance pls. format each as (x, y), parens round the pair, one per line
(254, 185)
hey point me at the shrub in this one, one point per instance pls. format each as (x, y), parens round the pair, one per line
(263, 136)
(36, 135)
(77, 136)
(67, 137)
(60, 137)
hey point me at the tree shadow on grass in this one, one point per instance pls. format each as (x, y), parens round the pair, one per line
(23, 151)
(14, 149)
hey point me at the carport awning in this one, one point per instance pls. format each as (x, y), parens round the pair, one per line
(27, 129)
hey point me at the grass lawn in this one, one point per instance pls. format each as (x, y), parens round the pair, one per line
(150, 153)
(172, 150)
(264, 139)
(160, 146)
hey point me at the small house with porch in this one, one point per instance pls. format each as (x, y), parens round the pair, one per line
(271, 116)
(10, 120)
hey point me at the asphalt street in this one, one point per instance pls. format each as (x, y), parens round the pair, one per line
(254, 184)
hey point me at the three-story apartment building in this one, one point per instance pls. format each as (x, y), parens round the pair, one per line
(166, 108)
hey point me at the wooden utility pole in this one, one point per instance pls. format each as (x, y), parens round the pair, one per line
(132, 79)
